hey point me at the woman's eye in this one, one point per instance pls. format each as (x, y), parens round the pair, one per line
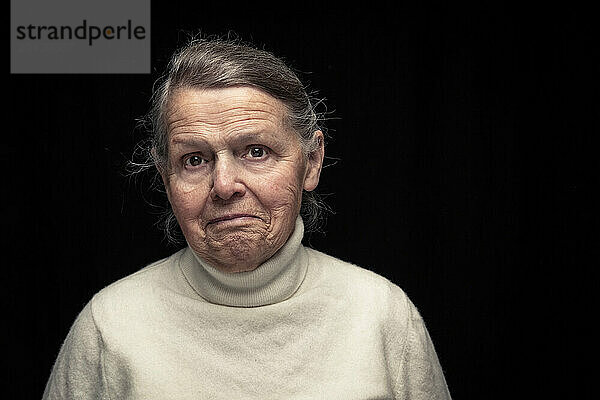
(194, 161)
(256, 152)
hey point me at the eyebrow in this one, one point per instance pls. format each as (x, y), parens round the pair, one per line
(195, 139)
(188, 139)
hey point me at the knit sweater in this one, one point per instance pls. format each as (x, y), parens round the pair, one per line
(303, 325)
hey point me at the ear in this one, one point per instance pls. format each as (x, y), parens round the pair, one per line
(162, 171)
(315, 163)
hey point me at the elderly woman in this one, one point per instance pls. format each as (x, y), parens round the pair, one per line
(245, 310)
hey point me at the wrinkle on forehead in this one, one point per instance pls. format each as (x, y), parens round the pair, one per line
(198, 109)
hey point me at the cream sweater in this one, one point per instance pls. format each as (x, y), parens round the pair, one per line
(303, 325)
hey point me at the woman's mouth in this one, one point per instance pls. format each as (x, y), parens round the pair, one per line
(230, 217)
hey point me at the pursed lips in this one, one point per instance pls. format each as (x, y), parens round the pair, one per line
(230, 217)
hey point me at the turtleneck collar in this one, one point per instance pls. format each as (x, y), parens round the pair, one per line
(276, 280)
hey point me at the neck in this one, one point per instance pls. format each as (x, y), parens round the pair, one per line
(275, 280)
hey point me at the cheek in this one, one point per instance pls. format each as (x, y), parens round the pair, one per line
(187, 200)
(281, 191)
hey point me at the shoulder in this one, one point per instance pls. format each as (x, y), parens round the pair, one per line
(135, 292)
(351, 274)
(361, 285)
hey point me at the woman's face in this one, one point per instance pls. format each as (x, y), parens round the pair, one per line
(236, 174)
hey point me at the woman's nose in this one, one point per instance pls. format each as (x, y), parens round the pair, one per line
(226, 182)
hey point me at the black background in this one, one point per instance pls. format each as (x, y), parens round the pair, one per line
(462, 168)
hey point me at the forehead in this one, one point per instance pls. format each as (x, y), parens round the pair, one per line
(223, 109)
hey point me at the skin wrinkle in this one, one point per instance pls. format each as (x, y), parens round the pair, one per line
(174, 109)
(222, 114)
(220, 125)
(191, 139)
(233, 122)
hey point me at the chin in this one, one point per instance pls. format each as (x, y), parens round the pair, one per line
(236, 252)
(242, 248)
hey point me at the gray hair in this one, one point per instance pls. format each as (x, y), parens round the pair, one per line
(216, 63)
